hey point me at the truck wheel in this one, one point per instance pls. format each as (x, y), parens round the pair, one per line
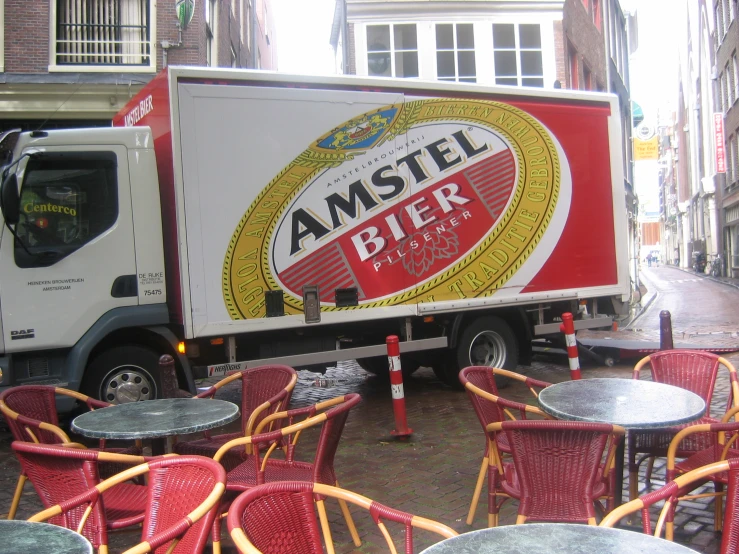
(487, 341)
(378, 365)
(123, 374)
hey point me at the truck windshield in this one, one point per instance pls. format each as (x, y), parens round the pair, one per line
(65, 202)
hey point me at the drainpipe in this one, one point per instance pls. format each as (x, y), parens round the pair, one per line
(166, 45)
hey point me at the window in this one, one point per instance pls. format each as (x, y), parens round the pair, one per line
(597, 16)
(65, 202)
(730, 83)
(731, 165)
(106, 32)
(587, 78)
(719, 20)
(517, 54)
(731, 11)
(234, 57)
(211, 48)
(455, 52)
(574, 68)
(392, 50)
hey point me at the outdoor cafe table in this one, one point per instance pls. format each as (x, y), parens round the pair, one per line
(548, 538)
(155, 419)
(630, 403)
(40, 538)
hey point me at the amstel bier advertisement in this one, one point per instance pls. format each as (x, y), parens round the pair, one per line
(399, 203)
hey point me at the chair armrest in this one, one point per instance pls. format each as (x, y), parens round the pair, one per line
(30, 424)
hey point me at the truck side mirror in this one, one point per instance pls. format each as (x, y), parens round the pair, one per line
(10, 200)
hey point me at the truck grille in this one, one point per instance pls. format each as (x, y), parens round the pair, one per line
(38, 367)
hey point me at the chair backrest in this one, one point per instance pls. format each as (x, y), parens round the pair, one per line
(558, 464)
(280, 517)
(179, 486)
(25, 407)
(330, 414)
(481, 377)
(181, 502)
(261, 384)
(30, 411)
(59, 473)
(693, 370)
(671, 491)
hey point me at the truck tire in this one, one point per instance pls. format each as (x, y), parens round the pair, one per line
(378, 366)
(123, 374)
(487, 341)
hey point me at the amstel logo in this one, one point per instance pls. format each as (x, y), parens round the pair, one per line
(423, 201)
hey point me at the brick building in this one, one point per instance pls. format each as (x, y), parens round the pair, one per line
(726, 42)
(77, 62)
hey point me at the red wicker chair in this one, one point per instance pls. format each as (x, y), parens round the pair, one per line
(264, 390)
(181, 501)
(261, 468)
(479, 381)
(670, 494)
(280, 517)
(30, 411)
(695, 371)
(558, 471)
(723, 439)
(59, 473)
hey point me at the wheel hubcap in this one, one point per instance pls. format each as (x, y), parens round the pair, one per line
(128, 385)
(488, 348)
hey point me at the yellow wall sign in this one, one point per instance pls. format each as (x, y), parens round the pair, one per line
(646, 149)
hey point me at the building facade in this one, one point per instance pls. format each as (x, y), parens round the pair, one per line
(726, 93)
(77, 62)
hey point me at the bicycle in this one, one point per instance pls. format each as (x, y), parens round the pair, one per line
(716, 266)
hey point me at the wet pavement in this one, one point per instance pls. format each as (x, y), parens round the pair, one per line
(433, 472)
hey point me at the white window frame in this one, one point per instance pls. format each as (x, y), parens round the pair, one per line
(735, 67)
(517, 49)
(211, 33)
(85, 68)
(455, 50)
(392, 50)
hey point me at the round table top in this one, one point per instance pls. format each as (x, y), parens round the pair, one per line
(547, 538)
(155, 418)
(629, 403)
(40, 538)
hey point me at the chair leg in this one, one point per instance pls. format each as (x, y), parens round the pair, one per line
(349, 521)
(718, 507)
(650, 467)
(17, 496)
(324, 527)
(216, 532)
(478, 490)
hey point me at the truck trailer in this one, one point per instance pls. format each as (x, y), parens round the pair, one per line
(235, 218)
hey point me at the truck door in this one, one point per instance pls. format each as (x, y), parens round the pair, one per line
(73, 259)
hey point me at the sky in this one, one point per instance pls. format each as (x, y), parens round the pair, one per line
(304, 29)
(303, 33)
(654, 65)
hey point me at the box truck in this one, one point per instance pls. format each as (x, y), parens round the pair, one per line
(236, 218)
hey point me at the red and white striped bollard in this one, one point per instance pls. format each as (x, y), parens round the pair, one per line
(568, 328)
(396, 386)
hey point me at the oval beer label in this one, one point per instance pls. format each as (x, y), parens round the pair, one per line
(405, 204)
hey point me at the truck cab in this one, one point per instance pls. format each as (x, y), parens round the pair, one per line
(81, 260)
